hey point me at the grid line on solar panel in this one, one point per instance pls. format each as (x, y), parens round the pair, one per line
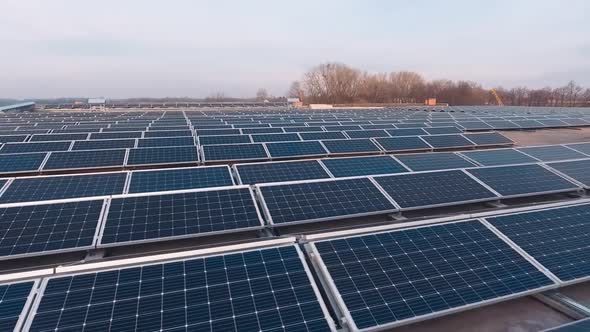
(178, 179)
(322, 135)
(443, 130)
(224, 139)
(578, 170)
(106, 144)
(359, 166)
(522, 180)
(35, 147)
(85, 159)
(433, 161)
(499, 157)
(552, 153)
(493, 138)
(403, 143)
(15, 298)
(349, 146)
(558, 238)
(393, 278)
(167, 133)
(321, 200)
(433, 188)
(231, 152)
(42, 229)
(267, 289)
(57, 137)
(21, 162)
(580, 147)
(447, 141)
(280, 171)
(283, 137)
(295, 149)
(43, 188)
(581, 325)
(165, 141)
(163, 155)
(114, 135)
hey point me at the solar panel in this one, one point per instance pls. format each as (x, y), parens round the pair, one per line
(224, 139)
(558, 238)
(492, 138)
(576, 122)
(501, 124)
(115, 135)
(522, 180)
(210, 132)
(575, 326)
(443, 130)
(552, 123)
(12, 138)
(447, 141)
(295, 149)
(474, 125)
(431, 189)
(259, 138)
(552, 153)
(192, 213)
(182, 178)
(85, 159)
(267, 289)
(49, 228)
(262, 130)
(67, 186)
(167, 133)
(233, 152)
(358, 166)
(104, 144)
(407, 132)
(407, 143)
(166, 141)
(393, 278)
(577, 170)
(14, 298)
(312, 136)
(35, 147)
(343, 146)
(499, 157)
(530, 124)
(366, 133)
(167, 155)
(411, 125)
(580, 147)
(280, 171)
(342, 128)
(322, 200)
(433, 161)
(21, 162)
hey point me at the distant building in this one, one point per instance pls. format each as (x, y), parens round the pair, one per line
(97, 101)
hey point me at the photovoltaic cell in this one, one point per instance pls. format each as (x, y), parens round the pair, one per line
(224, 139)
(43, 229)
(68, 186)
(139, 218)
(493, 138)
(447, 141)
(522, 180)
(581, 147)
(167, 133)
(558, 238)
(294, 149)
(312, 136)
(499, 157)
(266, 290)
(552, 153)
(360, 145)
(232, 152)
(358, 166)
(262, 130)
(443, 130)
(366, 133)
(407, 143)
(58, 137)
(177, 179)
(166, 155)
(165, 141)
(13, 298)
(323, 200)
(259, 138)
(407, 132)
(104, 144)
(430, 189)
(12, 138)
(115, 135)
(35, 147)
(393, 278)
(577, 170)
(85, 159)
(280, 171)
(21, 162)
(433, 161)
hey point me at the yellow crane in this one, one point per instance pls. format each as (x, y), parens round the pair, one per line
(497, 96)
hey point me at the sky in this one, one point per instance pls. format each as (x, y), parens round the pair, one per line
(192, 48)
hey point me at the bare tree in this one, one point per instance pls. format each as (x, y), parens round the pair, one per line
(217, 96)
(261, 94)
(295, 90)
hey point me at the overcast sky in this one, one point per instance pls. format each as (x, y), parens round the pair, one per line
(144, 48)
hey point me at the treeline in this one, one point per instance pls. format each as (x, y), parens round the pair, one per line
(336, 83)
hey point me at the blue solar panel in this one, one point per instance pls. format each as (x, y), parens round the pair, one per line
(522, 180)
(183, 178)
(58, 137)
(553, 123)
(12, 138)
(557, 238)
(407, 132)
(35, 147)
(13, 299)
(499, 157)
(21, 162)
(85, 159)
(264, 290)
(501, 124)
(280, 171)
(344, 146)
(167, 133)
(68, 186)
(342, 128)
(295, 149)
(115, 135)
(411, 125)
(104, 144)
(366, 133)
(582, 325)
(167, 155)
(433, 161)
(259, 138)
(489, 139)
(231, 152)
(157, 217)
(474, 125)
(166, 141)
(580, 147)
(393, 278)
(408, 143)
(262, 130)
(358, 166)
(323, 200)
(224, 139)
(577, 170)
(443, 130)
(45, 229)
(312, 136)
(302, 129)
(210, 132)
(530, 124)
(447, 141)
(552, 153)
